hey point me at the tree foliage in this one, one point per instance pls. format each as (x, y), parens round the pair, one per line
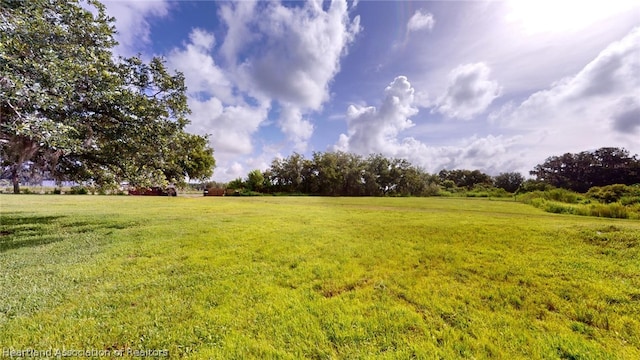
(510, 181)
(581, 171)
(345, 174)
(465, 178)
(70, 108)
(255, 180)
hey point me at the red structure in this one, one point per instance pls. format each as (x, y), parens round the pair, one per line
(214, 192)
(154, 191)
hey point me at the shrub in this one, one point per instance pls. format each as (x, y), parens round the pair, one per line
(533, 185)
(78, 190)
(248, 193)
(629, 200)
(537, 202)
(499, 192)
(478, 194)
(557, 200)
(611, 193)
(614, 210)
(559, 195)
(431, 190)
(556, 208)
(448, 184)
(57, 191)
(562, 195)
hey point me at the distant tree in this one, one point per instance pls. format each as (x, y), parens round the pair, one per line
(377, 176)
(236, 184)
(346, 174)
(510, 181)
(465, 178)
(412, 181)
(581, 171)
(255, 180)
(287, 174)
(267, 187)
(351, 167)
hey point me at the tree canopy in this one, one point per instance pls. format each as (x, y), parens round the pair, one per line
(339, 174)
(346, 174)
(73, 111)
(581, 171)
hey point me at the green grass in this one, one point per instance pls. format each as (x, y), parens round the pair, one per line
(313, 277)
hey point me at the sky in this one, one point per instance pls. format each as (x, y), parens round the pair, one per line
(497, 86)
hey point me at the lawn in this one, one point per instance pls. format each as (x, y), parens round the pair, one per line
(314, 277)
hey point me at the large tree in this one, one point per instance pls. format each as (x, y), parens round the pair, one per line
(581, 171)
(69, 106)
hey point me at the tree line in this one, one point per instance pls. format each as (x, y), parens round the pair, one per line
(581, 171)
(347, 174)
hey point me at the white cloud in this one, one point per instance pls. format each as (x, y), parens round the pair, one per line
(491, 154)
(230, 171)
(373, 130)
(237, 17)
(544, 16)
(599, 106)
(589, 97)
(626, 117)
(297, 129)
(300, 51)
(132, 22)
(202, 39)
(201, 73)
(231, 127)
(470, 91)
(290, 55)
(420, 21)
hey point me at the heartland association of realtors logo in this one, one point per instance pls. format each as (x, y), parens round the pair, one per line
(89, 353)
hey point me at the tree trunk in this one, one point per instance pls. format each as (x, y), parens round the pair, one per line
(15, 180)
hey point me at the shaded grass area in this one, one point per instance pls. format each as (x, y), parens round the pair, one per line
(318, 278)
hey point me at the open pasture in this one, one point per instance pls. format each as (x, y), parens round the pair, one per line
(314, 277)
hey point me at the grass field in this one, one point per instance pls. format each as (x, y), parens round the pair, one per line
(312, 277)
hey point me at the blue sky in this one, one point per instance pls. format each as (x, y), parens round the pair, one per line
(497, 86)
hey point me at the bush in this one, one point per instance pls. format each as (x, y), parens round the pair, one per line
(431, 190)
(57, 191)
(559, 195)
(556, 201)
(248, 193)
(481, 194)
(533, 185)
(556, 208)
(614, 210)
(630, 200)
(613, 193)
(563, 195)
(78, 190)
